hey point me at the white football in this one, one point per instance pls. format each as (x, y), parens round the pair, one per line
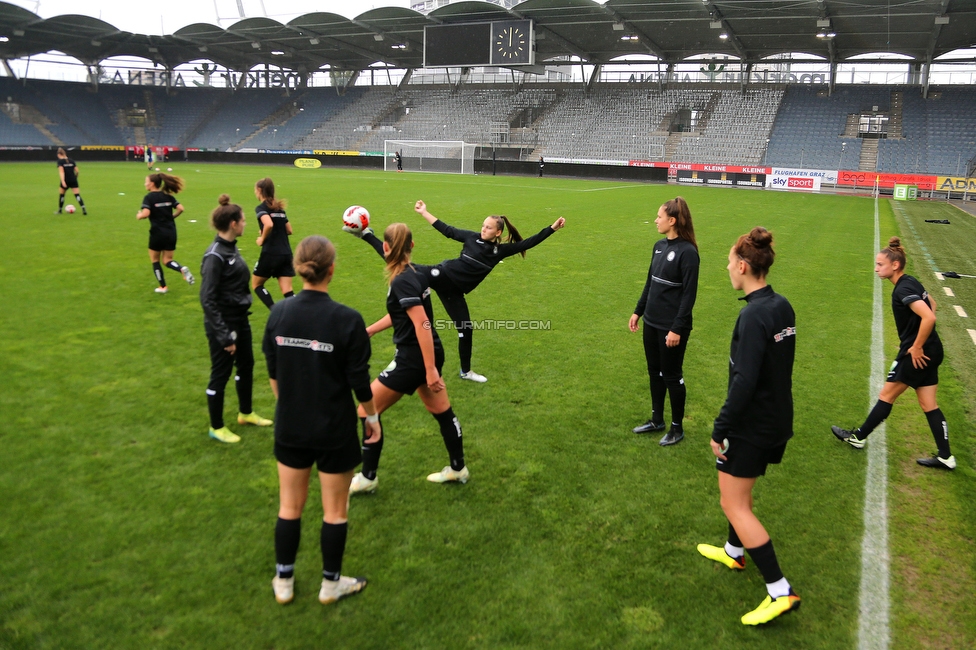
(356, 218)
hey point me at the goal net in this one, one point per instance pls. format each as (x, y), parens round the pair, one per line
(448, 156)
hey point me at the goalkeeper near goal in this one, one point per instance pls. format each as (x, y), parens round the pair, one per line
(452, 279)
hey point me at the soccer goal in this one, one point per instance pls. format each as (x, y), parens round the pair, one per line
(448, 156)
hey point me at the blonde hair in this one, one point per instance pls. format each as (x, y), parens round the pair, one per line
(314, 256)
(400, 240)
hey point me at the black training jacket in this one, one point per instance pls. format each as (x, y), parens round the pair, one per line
(225, 288)
(318, 351)
(479, 257)
(759, 406)
(672, 286)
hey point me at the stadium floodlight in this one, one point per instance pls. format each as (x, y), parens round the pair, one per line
(442, 156)
(723, 36)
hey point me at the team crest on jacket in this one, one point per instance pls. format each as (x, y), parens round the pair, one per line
(496, 250)
(671, 256)
(435, 272)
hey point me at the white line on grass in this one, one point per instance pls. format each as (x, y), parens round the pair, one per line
(972, 335)
(960, 311)
(948, 292)
(873, 632)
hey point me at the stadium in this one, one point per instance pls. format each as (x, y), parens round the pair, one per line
(835, 125)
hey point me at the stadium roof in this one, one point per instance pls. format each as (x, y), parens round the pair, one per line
(669, 29)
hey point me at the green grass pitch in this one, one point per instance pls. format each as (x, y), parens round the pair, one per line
(123, 525)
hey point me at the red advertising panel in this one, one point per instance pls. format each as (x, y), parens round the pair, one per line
(700, 167)
(868, 179)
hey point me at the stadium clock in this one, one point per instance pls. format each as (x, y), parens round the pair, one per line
(510, 42)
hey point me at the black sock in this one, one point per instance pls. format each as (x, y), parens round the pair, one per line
(173, 264)
(289, 294)
(60, 202)
(764, 558)
(215, 404)
(158, 272)
(451, 432)
(878, 414)
(371, 453)
(288, 533)
(677, 392)
(80, 202)
(245, 390)
(333, 541)
(940, 431)
(658, 390)
(734, 537)
(264, 296)
(465, 346)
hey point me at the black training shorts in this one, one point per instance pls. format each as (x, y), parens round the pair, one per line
(329, 461)
(406, 372)
(164, 240)
(274, 266)
(69, 184)
(746, 460)
(904, 372)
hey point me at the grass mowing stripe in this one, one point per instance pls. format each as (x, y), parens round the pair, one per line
(873, 626)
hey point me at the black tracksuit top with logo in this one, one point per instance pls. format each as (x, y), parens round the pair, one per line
(277, 242)
(160, 206)
(479, 257)
(318, 351)
(225, 288)
(409, 289)
(759, 406)
(907, 291)
(672, 286)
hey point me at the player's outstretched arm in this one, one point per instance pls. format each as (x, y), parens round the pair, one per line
(421, 208)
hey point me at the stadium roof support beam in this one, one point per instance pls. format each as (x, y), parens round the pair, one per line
(646, 42)
(406, 79)
(940, 20)
(553, 36)
(594, 76)
(733, 39)
(10, 72)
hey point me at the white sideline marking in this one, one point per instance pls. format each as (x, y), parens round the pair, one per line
(940, 277)
(949, 292)
(960, 311)
(873, 632)
(972, 335)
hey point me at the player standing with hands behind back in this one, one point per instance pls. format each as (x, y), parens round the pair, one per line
(756, 422)
(665, 307)
(226, 299)
(162, 209)
(318, 356)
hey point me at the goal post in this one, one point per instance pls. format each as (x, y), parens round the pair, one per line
(443, 156)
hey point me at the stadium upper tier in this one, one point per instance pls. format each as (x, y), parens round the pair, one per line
(794, 126)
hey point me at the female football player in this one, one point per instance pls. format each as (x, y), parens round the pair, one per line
(452, 279)
(665, 307)
(276, 259)
(417, 363)
(918, 360)
(226, 298)
(68, 171)
(162, 209)
(754, 425)
(318, 356)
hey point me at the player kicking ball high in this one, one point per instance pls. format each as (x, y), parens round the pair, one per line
(754, 425)
(918, 360)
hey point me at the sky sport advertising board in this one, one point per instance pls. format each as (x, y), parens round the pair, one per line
(777, 173)
(794, 183)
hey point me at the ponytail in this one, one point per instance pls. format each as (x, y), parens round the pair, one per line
(314, 258)
(225, 214)
(756, 248)
(62, 152)
(167, 182)
(677, 208)
(267, 189)
(400, 240)
(501, 222)
(895, 253)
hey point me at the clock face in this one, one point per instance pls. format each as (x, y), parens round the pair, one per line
(511, 44)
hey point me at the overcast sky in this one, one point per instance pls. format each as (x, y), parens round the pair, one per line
(167, 16)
